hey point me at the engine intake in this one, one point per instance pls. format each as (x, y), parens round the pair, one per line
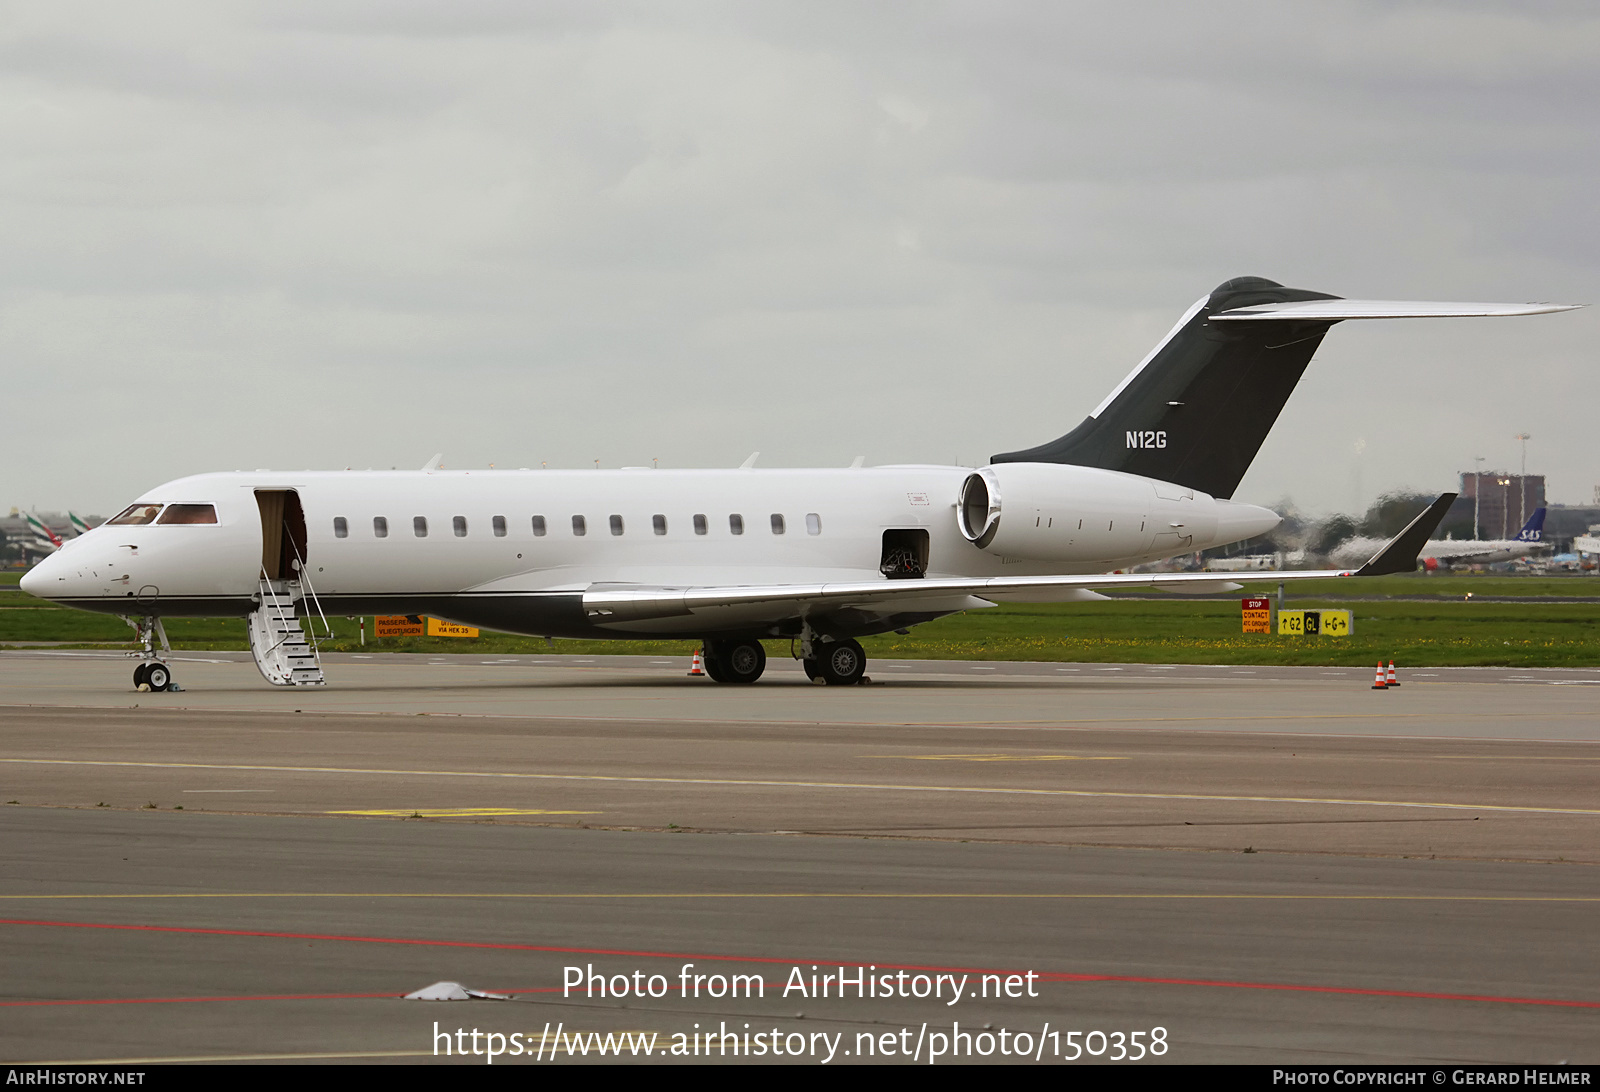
(978, 512)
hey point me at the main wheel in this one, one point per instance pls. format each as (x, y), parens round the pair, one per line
(813, 669)
(735, 661)
(139, 674)
(842, 663)
(158, 676)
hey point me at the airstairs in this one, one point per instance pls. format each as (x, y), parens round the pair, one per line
(282, 653)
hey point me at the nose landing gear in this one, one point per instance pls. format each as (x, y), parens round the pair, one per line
(151, 674)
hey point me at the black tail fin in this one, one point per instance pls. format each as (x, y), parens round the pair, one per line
(1199, 407)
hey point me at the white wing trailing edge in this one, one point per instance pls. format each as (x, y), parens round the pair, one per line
(608, 603)
(1341, 310)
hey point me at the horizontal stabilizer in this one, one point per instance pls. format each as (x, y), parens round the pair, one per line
(1340, 310)
(1400, 555)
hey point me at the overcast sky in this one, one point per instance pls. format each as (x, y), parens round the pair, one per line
(333, 234)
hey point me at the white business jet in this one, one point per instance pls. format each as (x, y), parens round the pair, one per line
(735, 557)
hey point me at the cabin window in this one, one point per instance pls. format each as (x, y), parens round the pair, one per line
(616, 525)
(341, 527)
(658, 523)
(699, 523)
(580, 526)
(419, 526)
(813, 524)
(499, 523)
(459, 525)
(538, 526)
(736, 524)
(777, 523)
(189, 513)
(380, 526)
(134, 515)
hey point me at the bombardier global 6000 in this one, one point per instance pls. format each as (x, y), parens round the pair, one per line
(735, 557)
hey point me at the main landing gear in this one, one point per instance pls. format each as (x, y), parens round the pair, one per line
(735, 661)
(837, 663)
(151, 674)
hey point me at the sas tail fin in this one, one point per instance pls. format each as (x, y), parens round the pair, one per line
(1533, 530)
(1198, 408)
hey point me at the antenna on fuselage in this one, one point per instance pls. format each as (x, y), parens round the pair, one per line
(751, 461)
(435, 463)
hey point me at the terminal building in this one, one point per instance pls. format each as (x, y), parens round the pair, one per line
(1503, 502)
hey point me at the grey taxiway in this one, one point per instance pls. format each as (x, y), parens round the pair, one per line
(1270, 864)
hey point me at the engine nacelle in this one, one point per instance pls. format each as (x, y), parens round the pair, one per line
(1056, 512)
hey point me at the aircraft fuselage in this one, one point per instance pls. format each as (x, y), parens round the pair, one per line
(515, 550)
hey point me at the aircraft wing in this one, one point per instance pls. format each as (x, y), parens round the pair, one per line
(635, 602)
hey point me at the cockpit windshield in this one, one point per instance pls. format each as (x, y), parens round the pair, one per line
(135, 514)
(189, 513)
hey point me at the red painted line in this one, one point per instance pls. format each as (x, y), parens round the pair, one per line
(1042, 976)
(1045, 976)
(187, 1000)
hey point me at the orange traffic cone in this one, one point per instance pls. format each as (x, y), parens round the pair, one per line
(694, 668)
(1379, 683)
(1392, 681)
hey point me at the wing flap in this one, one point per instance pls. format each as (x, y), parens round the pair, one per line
(607, 603)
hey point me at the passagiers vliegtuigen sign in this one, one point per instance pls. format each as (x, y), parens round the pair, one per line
(419, 625)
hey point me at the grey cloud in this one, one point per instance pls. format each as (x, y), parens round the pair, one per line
(569, 231)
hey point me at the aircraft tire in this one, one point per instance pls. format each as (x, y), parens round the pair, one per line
(158, 675)
(813, 669)
(139, 673)
(741, 661)
(843, 663)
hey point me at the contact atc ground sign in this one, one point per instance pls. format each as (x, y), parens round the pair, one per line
(1257, 615)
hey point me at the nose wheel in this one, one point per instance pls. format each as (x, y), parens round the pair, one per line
(152, 676)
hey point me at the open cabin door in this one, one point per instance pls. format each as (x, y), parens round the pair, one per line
(283, 533)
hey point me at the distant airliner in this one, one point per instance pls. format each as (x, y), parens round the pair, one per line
(1458, 551)
(45, 541)
(734, 557)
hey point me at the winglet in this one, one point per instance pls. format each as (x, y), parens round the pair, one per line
(1400, 555)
